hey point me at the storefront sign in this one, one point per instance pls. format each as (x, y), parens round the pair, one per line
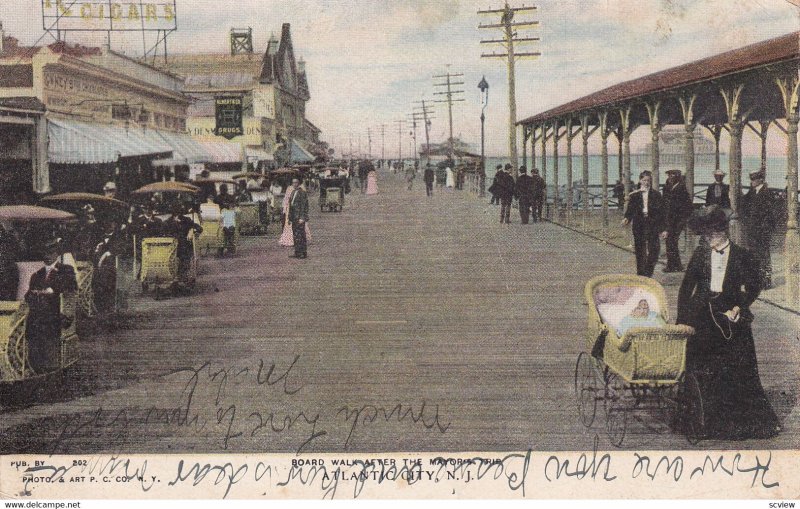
(205, 128)
(116, 16)
(264, 102)
(228, 114)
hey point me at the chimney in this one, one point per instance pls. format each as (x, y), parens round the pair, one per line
(272, 45)
(2, 37)
(301, 66)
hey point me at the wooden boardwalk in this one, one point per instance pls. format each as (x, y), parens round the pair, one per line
(416, 324)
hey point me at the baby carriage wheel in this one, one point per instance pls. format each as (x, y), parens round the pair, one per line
(588, 387)
(691, 405)
(616, 412)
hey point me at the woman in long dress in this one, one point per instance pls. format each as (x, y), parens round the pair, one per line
(372, 182)
(287, 237)
(450, 180)
(720, 284)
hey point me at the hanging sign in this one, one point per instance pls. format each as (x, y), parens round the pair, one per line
(228, 115)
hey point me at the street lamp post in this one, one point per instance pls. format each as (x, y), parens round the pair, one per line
(484, 88)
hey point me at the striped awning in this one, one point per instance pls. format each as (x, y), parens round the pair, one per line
(222, 152)
(301, 155)
(185, 148)
(72, 142)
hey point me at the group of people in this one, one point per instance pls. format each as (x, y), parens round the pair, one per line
(720, 283)
(528, 189)
(654, 216)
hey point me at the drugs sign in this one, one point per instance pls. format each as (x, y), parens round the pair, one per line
(229, 117)
(109, 15)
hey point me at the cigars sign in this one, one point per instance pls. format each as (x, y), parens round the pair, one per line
(109, 15)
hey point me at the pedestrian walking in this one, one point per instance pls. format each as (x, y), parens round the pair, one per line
(646, 214)
(298, 217)
(758, 219)
(523, 191)
(720, 284)
(429, 178)
(678, 203)
(538, 195)
(494, 188)
(411, 174)
(506, 190)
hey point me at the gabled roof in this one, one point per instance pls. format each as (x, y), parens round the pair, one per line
(780, 49)
(279, 66)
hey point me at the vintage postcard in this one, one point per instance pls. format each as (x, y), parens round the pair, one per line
(430, 249)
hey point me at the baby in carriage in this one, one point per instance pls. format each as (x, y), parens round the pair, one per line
(641, 316)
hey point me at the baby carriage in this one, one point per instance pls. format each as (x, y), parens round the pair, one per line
(635, 361)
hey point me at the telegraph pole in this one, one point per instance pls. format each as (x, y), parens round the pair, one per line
(426, 110)
(369, 143)
(400, 124)
(383, 142)
(508, 26)
(449, 83)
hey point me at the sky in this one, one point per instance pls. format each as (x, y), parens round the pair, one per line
(369, 61)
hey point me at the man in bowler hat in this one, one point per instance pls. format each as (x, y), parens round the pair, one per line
(678, 209)
(757, 213)
(523, 190)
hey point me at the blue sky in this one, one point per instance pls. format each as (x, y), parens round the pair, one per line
(368, 61)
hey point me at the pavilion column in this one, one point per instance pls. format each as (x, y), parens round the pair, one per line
(716, 133)
(533, 148)
(735, 125)
(687, 108)
(604, 132)
(570, 191)
(556, 190)
(789, 91)
(763, 135)
(41, 170)
(526, 133)
(621, 168)
(585, 166)
(627, 129)
(655, 151)
(544, 167)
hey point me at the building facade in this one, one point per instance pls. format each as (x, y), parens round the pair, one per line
(273, 90)
(74, 117)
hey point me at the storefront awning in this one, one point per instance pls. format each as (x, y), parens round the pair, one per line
(185, 148)
(221, 152)
(301, 155)
(72, 142)
(257, 154)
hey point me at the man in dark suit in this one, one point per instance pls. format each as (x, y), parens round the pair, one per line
(45, 321)
(523, 190)
(718, 193)
(494, 189)
(178, 226)
(679, 207)
(298, 217)
(428, 178)
(364, 167)
(538, 195)
(505, 184)
(758, 219)
(646, 213)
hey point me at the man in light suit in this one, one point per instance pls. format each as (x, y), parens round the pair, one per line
(298, 217)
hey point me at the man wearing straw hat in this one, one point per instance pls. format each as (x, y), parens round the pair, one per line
(718, 193)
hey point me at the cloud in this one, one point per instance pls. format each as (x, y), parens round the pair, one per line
(369, 60)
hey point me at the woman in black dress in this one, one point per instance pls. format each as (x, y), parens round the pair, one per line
(720, 284)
